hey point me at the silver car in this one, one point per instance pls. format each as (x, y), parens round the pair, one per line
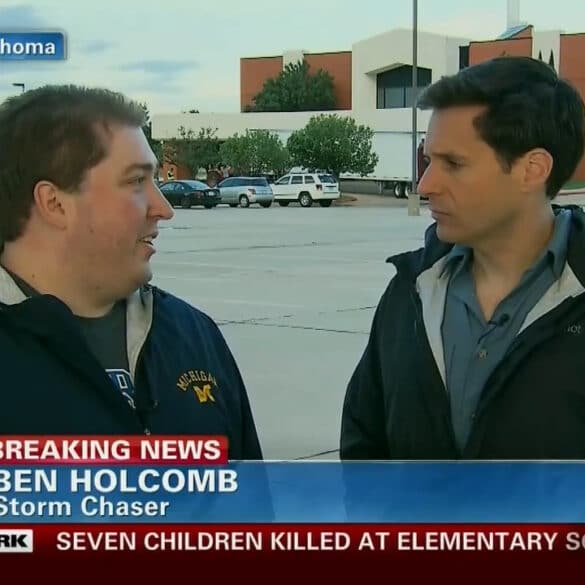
(245, 191)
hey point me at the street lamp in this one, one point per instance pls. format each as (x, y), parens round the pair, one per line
(413, 198)
(21, 85)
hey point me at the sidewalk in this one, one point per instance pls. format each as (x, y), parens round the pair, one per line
(367, 200)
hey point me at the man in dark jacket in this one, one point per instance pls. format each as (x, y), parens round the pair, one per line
(477, 346)
(87, 346)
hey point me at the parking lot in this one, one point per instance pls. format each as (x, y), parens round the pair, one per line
(294, 292)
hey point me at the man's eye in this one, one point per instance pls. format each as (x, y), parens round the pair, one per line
(137, 181)
(453, 164)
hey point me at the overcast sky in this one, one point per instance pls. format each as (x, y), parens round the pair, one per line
(177, 55)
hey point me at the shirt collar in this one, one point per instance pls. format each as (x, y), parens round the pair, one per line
(457, 258)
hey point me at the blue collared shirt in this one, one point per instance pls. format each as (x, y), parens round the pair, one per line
(472, 346)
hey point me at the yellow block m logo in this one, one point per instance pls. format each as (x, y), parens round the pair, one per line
(204, 394)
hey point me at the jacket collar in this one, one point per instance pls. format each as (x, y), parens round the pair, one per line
(10, 293)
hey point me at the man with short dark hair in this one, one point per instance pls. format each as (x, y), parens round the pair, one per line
(87, 346)
(476, 347)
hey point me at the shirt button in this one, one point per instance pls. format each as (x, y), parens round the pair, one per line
(482, 353)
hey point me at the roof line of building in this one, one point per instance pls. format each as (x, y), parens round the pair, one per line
(514, 31)
(305, 53)
(329, 53)
(261, 57)
(500, 40)
(512, 38)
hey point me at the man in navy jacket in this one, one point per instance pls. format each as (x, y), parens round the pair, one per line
(87, 346)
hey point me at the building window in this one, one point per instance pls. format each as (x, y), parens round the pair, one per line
(394, 87)
(463, 57)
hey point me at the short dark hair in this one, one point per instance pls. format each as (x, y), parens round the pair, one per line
(527, 106)
(54, 133)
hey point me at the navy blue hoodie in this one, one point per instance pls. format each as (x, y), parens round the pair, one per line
(185, 377)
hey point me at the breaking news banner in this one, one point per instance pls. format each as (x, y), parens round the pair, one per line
(180, 497)
(32, 46)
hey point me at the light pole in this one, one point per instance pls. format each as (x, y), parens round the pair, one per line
(413, 198)
(21, 85)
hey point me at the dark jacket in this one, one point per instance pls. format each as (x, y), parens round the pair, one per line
(50, 383)
(532, 407)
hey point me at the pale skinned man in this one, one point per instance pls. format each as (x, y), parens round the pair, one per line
(87, 344)
(476, 348)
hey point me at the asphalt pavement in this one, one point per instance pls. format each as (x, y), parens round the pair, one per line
(294, 291)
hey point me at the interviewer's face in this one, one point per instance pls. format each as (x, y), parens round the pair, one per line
(471, 196)
(119, 205)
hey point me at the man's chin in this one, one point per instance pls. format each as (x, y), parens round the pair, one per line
(147, 276)
(445, 235)
(141, 278)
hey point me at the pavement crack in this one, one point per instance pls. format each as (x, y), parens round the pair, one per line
(352, 309)
(253, 320)
(290, 326)
(250, 321)
(319, 454)
(263, 247)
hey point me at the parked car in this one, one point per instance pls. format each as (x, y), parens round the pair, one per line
(306, 188)
(244, 191)
(187, 193)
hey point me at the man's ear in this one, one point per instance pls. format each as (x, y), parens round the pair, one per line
(50, 204)
(537, 166)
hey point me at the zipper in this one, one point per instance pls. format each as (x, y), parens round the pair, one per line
(144, 414)
(431, 366)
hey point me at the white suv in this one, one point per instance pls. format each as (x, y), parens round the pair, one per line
(306, 188)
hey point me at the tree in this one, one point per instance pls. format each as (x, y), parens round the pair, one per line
(296, 90)
(257, 152)
(334, 144)
(155, 145)
(193, 151)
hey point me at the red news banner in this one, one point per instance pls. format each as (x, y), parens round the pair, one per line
(100, 450)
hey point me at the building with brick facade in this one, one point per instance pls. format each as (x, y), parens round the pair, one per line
(373, 84)
(562, 51)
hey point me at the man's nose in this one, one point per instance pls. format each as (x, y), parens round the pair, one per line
(159, 206)
(429, 182)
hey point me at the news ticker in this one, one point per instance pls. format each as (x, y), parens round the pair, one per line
(189, 480)
(57, 541)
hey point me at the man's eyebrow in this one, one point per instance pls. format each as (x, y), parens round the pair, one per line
(147, 167)
(448, 155)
